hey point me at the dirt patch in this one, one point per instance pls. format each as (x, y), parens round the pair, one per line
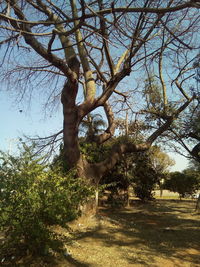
(161, 233)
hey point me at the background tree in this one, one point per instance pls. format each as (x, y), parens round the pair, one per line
(93, 125)
(161, 162)
(185, 183)
(144, 178)
(142, 172)
(81, 51)
(149, 170)
(194, 169)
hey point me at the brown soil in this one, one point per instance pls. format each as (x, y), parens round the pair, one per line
(162, 233)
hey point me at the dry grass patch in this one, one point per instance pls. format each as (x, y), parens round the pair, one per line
(161, 233)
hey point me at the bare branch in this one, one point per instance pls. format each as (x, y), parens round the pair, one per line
(175, 37)
(104, 33)
(169, 121)
(89, 79)
(109, 132)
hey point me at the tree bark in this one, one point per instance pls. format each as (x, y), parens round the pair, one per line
(70, 123)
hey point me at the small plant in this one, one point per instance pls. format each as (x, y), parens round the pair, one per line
(33, 198)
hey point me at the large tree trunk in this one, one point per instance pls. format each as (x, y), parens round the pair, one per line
(70, 136)
(72, 152)
(70, 123)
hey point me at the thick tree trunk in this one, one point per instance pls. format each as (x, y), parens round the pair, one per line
(70, 123)
(72, 152)
(70, 132)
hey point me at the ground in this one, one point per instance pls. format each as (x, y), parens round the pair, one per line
(161, 233)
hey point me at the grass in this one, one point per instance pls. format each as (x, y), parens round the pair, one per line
(159, 233)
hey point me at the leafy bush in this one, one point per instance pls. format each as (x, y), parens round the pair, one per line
(34, 197)
(185, 183)
(144, 178)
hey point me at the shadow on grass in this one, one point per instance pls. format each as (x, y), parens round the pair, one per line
(161, 229)
(76, 263)
(49, 261)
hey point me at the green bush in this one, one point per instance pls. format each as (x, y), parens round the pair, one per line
(144, 178)
(184, 183)
(33, 198)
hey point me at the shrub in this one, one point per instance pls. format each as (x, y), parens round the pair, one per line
(144, 178)
(185, 183)
(34, 197)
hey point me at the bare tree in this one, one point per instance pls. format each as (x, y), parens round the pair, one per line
(101, 51)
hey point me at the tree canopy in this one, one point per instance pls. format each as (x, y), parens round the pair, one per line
(121, 55)
(185, 183)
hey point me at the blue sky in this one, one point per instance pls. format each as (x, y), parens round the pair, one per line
(181, 162)
(31, 121)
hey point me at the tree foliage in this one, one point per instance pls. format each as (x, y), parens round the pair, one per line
(141, 171)
(144, 178)
(185, 183)
(161, 162)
